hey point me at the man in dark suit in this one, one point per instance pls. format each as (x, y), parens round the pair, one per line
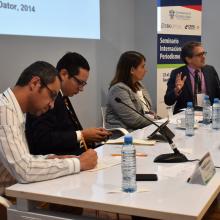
(193, 80)
(59, 131)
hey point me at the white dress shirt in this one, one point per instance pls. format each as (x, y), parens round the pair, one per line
(16, 162)
(145, 105)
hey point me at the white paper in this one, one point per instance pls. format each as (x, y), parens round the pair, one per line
(106, 162)
(135, 141)
(122, 130)
(163, 120)
(182, 170)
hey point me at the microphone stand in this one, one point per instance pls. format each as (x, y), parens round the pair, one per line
(175, 157)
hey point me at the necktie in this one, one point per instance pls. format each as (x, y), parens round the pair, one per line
(74, 120)
(197, 86)
(72, 114)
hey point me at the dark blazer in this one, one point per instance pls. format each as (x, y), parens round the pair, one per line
(211, 81)
(54, 131)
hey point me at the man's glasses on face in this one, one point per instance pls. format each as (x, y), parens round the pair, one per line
(80, 82)
(204, 53)
(53, 94)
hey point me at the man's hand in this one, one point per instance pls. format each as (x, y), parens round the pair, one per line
(95, 134)
(61, 156)
(179, 83)
(88, 160)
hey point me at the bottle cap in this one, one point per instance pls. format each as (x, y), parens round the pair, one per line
(206, 97)
(128, 139)
(216, 100)
(189, 104)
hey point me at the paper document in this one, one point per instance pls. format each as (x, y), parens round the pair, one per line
(106, 162)
(122, 130)
(180, 170)
(163, 120)
(135, 141)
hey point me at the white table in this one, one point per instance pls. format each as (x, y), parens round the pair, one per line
(171, 197)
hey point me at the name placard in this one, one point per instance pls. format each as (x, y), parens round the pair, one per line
(204, 171)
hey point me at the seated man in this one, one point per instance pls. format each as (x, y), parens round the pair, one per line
(35, 92)
(189, 82)
(59, 130)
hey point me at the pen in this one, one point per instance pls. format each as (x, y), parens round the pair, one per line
(137, 154)
(84, 143)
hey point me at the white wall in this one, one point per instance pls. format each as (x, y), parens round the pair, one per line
(117, 36)
(146, 41)
(211, 32)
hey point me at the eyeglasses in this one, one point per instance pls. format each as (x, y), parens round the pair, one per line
(200, 54)
(53, 94)
(80, 82)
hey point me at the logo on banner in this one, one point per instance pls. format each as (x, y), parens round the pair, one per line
(170, 26)
(192, 27)
(171, 13)
(180, 15)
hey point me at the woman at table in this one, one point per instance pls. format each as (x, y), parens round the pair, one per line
(127, 86)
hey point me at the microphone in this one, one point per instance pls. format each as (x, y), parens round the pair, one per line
(117, 99)
(175, 157)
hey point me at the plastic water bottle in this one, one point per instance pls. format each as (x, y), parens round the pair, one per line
(189, 119)
(207, 110)
(128, 165)
(216, 114)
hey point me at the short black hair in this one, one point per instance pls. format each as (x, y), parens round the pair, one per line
(187, 50)
(72, 62)
(45, 71)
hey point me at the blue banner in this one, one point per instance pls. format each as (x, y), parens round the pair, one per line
(161, 3)
(169, 47)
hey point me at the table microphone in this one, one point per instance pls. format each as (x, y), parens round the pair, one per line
(175, 157)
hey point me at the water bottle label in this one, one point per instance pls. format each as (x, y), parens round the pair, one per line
(128, 168)
(189, 118)
(200, 98)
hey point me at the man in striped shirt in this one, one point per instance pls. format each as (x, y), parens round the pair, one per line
(34, 92)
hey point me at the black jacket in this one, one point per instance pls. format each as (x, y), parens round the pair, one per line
(54, 131)
(211, 81)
